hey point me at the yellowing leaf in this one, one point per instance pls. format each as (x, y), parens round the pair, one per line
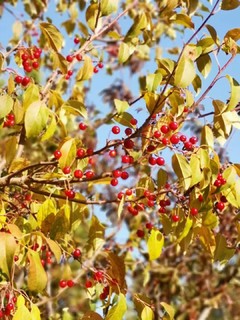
(195, 167)
(30, 95)
(54, 247)
(86, 71)
(120, 207)
(91, 15)
(117, 312)
(37, 278)
(169, 309)
(222, 252)
(124, 52)
(6, 105)
(182, 169)
(155, 244)
(68, 150)
(147, 313)
(36, 118)
(153, 81)
(51, 128)
(75, 107)
(59, 61)
(35, 313)
(22, 313)
(235, 93)
(52, 35)
(230, 4)
(8, 246)
(162, 178)
(121, 106)
(91, 315)
(184, 20)
(108, 7)
(96, 234)
(207, 138)
(204, 64)
(185, 73)
(186, 229)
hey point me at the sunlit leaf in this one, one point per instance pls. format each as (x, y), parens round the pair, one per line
(36, 118)
(185, 73)
(118, 310)
(68, 149)
(37, 277)
(52, 35)
(235, 93)
(86, 71)
(124, 52)
(153, 81)
(121, 106)
(8, 246)
(204, 64)
(155, 244)
(6, 103)
(182, 169)
(169, 310)
(108, 7)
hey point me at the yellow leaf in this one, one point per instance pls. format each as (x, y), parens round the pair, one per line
(52, 35)
(37, 277)
(118, 310)
(155, 244)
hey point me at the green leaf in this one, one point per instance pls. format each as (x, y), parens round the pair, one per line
(8, 247)
(37, 277)
(121, 106)
(52, 35)
(36, 118)
(169, 309)
(230, 4)
(207, 138)
(68, 150)
(182, 169)
(108, 7)
(235, 93)
(6, 105)
(155, 244)
(86, 72)
(185, 73)
(51, 128)
(222, 253)
(204, 64)
(153, 81)
(124, 52)
(117, 312)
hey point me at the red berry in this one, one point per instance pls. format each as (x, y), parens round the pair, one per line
(78, 174)
(164, 129)
(28, 68)
(160, 161)
(103, 296)
(128, 131)
(82, 126)
(128, 192)
(70, 73)
(76, 253)
(69, 58)
(81, 153)
(188, 145)
(200, 198)
(133, 121)
(36, 55)
(16, 258)
(124, 175)
(10, 116)
(165, 141)
(175, 218)
(146, 193)
(67, 77)
(128, 144)
(114, 182)
(183, 138)
(25, 56)
(120, 195)
(173, 125)
(157, 134)
(162, 203)
(79, 57)
(89, 174)
(62, 283)
(57, 154)
(25, 81)
(89, 151)
(149, 225)
(140, 233)
(162, 210)
(76, 40)
(115, 130)
(18, 79)
(193, 140)
(35, 65)
(152, 160)
(175, 138)
(100, 65)
(220, 205)
(150, 203)
(116, 173)
(151, 148)
(88, 284)
(112, 153)
(95, 69)
(70, 194)
(66, 170)
(98, 276)
(125, 159)
(223, 199)
(217, 183)
(70, 283)
(194, 211)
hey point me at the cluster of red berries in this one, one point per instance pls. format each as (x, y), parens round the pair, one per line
(128, 131)
(9, 121)
(118, 174)
(97, 67)
(9, 306)
(163, 204)
(220, 181)
(24, 81)
(66, 283)
(30, 59)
